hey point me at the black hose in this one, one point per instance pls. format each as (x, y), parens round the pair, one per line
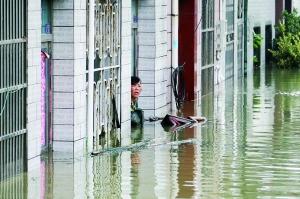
(178, 86)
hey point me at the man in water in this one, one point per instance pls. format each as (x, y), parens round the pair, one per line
(137, 115)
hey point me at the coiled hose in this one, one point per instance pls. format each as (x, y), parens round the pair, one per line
(178, 86)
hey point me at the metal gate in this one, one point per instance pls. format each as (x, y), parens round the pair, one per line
(12, 86)
(106, 72)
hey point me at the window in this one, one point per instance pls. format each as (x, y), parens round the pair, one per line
(207, 54)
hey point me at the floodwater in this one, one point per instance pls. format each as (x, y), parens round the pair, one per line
(248, 148)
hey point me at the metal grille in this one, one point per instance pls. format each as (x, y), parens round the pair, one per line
(107, 68)
(12, 82)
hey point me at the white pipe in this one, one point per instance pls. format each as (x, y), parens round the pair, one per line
(174, 33)
(174, 40)
(90, 116)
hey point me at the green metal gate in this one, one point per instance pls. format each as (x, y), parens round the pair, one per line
(13, 87)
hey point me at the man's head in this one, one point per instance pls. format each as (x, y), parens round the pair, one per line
(136, 88)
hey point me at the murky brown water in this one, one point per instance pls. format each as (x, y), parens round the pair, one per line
(249, 148)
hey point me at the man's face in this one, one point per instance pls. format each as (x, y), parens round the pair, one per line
(136, 91)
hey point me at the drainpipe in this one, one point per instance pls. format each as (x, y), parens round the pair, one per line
(174, 40)
(245, 35)
(90, 116)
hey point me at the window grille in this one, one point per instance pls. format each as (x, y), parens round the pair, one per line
(13, 87)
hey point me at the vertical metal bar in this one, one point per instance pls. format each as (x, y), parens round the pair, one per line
(13, 66)
(18, 110)
(4, 20)
(6, 82)
(1, 86)
(6, 157)
(4, 65)
(90, 130)
(22, 24)
(1, 118)
(1, 163)
(17, 19)
(22, 109)
(1, 65)
(10, 20)
(10, 110)
(14, 18)
(1, 20)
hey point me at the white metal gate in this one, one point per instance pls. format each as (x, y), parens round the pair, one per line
(106, 71)
(13, 87)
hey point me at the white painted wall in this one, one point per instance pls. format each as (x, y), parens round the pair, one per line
(296, 4)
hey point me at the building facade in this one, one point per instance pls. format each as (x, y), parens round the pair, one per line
(263, 17)
(146, 38)
(261, 21)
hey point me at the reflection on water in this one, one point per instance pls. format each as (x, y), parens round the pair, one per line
(248, 148)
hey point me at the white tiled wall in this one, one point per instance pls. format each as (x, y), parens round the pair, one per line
(152, 58)
(69, 65)
(34, 79)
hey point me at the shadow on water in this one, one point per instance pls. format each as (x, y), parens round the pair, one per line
(248, 148)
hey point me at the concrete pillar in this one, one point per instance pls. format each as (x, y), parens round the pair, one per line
(125, 63)
(34, 79)
(152, 59)
(69, 79)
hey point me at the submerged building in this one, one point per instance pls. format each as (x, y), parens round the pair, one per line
(47, 62)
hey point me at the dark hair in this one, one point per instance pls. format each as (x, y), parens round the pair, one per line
(135, 80)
